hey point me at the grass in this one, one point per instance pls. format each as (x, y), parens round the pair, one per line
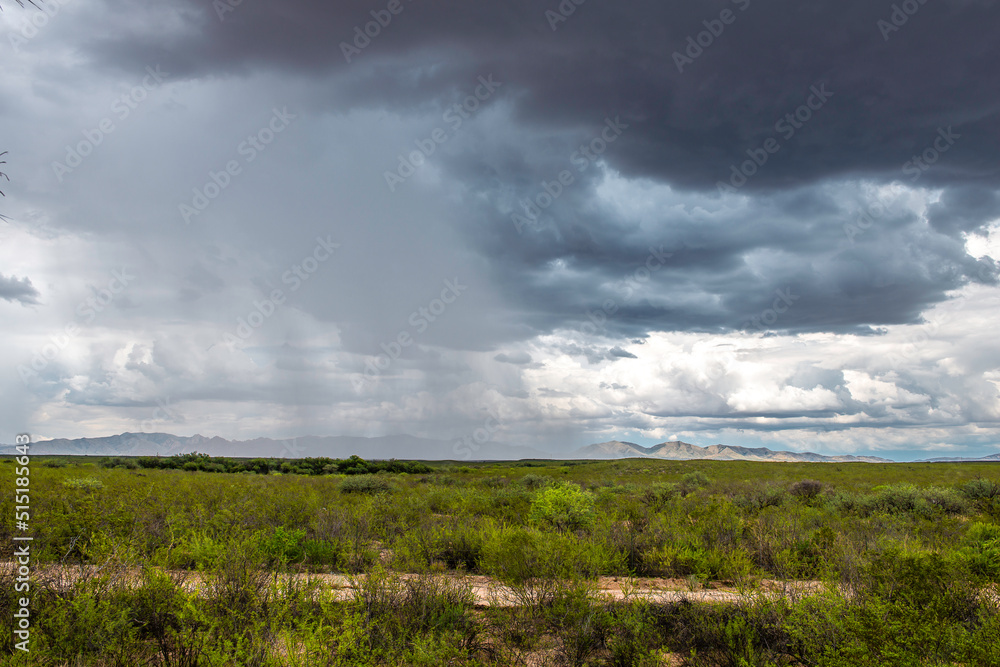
(906, 550)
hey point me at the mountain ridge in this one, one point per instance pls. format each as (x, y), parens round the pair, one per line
(992, 458)
(382, 447)
(677, 450)
(412, 447)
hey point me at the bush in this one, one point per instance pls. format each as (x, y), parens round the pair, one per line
(691, 560)
(807, 489)
(530, 563)
(117, 462)
(237, 583)
(157, 609)
(758, 498)
(630, 630)
(693, 481)
(745, 635)
(564, 507)
(985, 494)
(392, 611)
(458, 546)
(577, 621)
(904, 499)
(948, 501)
(908, 609)
(980, 489)
(658, 495)
(83, 483)
(494, 482)
(198, 551)
(365, 484)
(440, 480)
(981, 546)
(283, 546)
(88, 622)
(534, 482)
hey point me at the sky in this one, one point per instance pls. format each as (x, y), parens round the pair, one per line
(760, 224)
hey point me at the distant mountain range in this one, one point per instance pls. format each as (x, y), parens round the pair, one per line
(387, 447)
(409, 447)
(992, 458)
(679, 451)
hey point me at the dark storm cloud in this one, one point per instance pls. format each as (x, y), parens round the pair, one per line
(779, 262)
(889, 95)
(816, 94)
(964, 208)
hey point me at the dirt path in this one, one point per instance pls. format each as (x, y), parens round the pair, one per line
(487, 591)
(490, 592)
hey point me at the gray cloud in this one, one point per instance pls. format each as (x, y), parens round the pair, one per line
(880, 103)
(854, 222)
(516, 358)
(18, 290)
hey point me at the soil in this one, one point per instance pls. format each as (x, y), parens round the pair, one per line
(488, 592)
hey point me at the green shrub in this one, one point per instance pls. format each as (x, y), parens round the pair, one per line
(806, 490)
(980, 489)
(457, 545)
(984, 494)
(564, 507)
(693, 481)
(494, 482)
(392, 612)
(945, 500)
(580, 625)
(534, 482)
(117, 462)
(903, 499)
(629, 633)
(760, 497)
(365, 484)
(744, 635)
(440, 480)
(937, 585)
(283, 546)
(160, 609)
(83, 484)
(88, 623)
(239, 594)
(321, 553)
(530, 563)
(896, 499)
(689, 559)
(659, 494)
(981, 546)
(908, 609)
(197, 550)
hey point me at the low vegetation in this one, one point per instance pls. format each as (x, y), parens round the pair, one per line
(307, 466)
(157, 562)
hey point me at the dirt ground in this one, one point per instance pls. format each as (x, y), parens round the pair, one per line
(487, 591)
